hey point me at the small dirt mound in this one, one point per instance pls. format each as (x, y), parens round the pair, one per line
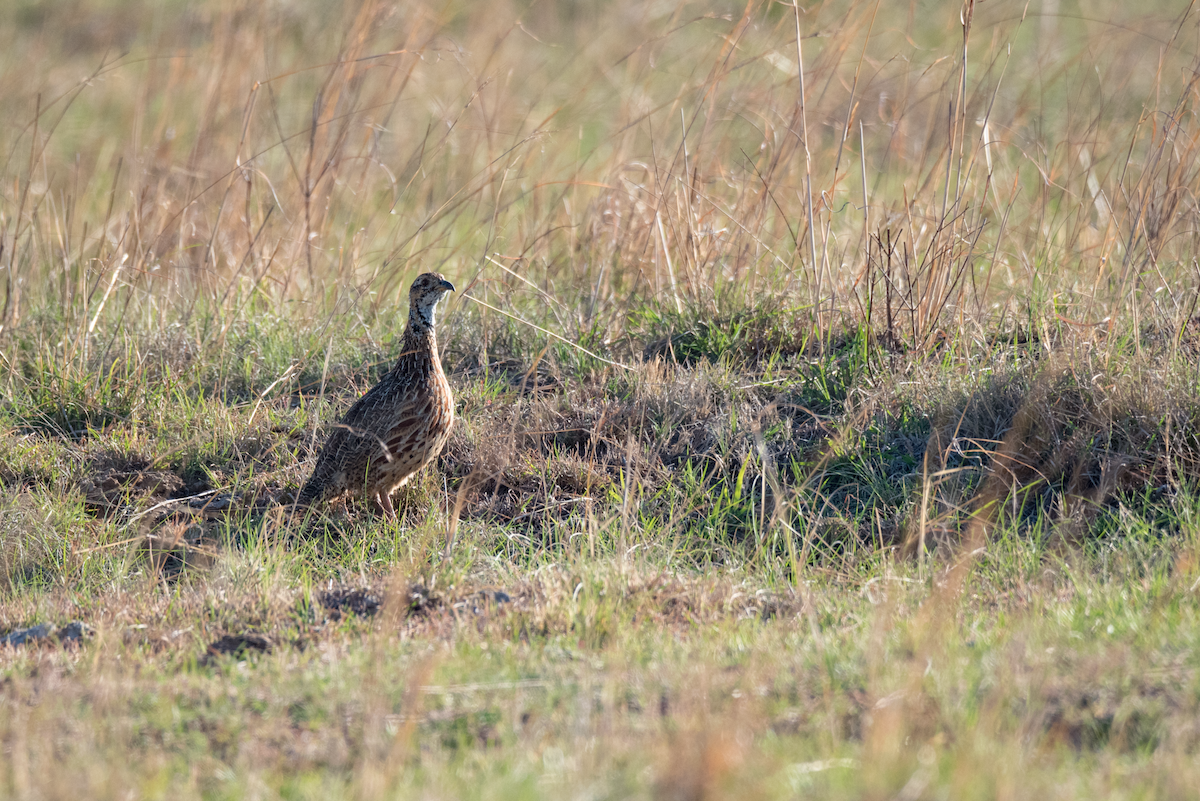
(360, 601)
(178, 540)
(236, 645)
(117, 483)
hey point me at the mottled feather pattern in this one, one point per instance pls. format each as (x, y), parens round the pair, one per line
(401, 424)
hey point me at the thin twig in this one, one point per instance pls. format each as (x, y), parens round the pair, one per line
(270, 387)
(560, 338)
(168, 502)
(812, 241)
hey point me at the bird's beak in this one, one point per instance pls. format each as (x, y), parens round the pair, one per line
(447, 285)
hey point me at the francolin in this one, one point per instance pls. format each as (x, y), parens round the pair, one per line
(401, 424)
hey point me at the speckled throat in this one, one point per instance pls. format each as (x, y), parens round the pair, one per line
(418, 359)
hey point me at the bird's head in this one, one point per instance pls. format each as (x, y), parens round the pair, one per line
(424, 295)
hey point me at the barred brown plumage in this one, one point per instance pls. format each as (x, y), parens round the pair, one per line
(401, 424)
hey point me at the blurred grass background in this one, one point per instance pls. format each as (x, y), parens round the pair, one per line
(306, 158)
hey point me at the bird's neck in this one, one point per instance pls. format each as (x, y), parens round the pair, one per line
(420, 341)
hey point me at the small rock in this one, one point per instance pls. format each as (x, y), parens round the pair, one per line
(74, 631)
(22, 636)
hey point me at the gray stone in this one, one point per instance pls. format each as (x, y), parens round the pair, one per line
(22, 636)
(74, 631)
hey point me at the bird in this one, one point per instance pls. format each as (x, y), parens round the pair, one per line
(400, 425)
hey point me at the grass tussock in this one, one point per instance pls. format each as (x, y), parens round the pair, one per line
(825, 382)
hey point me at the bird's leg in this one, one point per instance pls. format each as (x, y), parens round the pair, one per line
(385, 500)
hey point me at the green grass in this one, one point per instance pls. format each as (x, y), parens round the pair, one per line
(672, 615)
(1082, 678)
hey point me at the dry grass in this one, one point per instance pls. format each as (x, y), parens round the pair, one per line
(835, 442)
